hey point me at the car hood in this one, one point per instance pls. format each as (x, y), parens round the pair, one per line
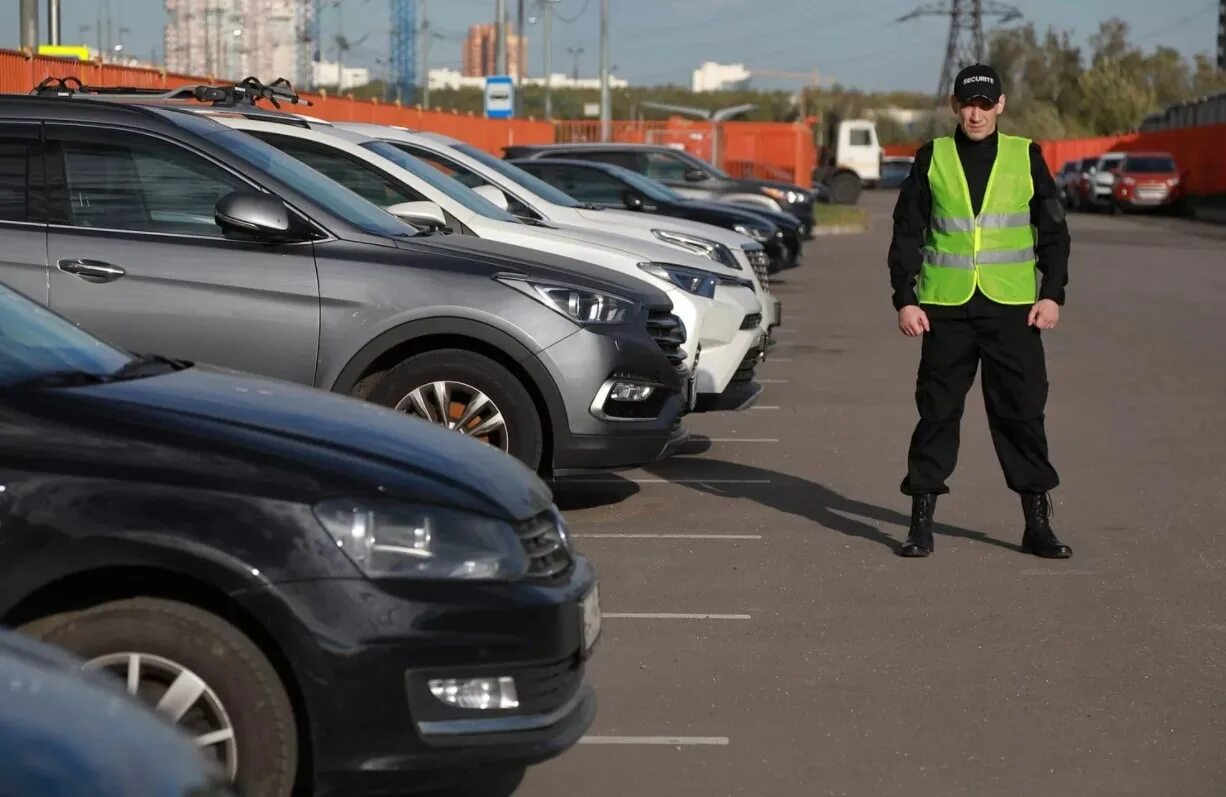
(650, 221)
(749, 181)
(543, 265)
(218, 429)
(641, 250)
(745, 212)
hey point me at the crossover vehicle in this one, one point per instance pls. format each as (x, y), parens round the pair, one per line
(534, 200)
(1102, 180)
(686, 174)
(717, 305)
(1146, 180)
(326, 596)
(610, 186)
(894, 170)
(158, 229)
(67, 731)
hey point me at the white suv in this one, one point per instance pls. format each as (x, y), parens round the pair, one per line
(717, 304)
(529, 195)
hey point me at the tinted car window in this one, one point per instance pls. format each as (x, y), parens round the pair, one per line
(128, 181)
(627, 160)
(588, 185)
(662, 166)
(357, 175)
(1150, 164)
(35, 342)
(17, 147)
(517, 175)
(655, 191)
(428, 174)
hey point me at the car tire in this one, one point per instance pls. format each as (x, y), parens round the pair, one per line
(845, 189)
(523, 435)
(232, 668)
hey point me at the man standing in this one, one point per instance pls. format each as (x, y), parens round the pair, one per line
(977, 220)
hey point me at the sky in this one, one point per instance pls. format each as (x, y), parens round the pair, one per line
(857, 43)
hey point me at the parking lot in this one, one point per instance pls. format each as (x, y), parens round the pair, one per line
(761, 638)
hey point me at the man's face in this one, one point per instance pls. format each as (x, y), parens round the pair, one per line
(978, 116)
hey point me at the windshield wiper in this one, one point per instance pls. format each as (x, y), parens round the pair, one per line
(145, 365)
(51, 379)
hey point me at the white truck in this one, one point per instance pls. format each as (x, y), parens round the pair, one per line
(849, 157)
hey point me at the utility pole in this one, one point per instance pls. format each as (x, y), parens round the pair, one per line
(29, 24)
(426, 35)
(519, 60)
(53, 22)
(547, 7)
(605, 109)
(1221, 35)
(965, 45)
(574, 52)
(500, 58)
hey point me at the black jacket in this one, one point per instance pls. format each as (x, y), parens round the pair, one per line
(914, 208)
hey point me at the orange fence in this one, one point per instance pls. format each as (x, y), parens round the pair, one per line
(20, 73)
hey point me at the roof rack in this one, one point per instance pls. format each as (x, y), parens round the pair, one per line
(247, 91)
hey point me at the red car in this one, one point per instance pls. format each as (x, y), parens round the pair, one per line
(1146, 180)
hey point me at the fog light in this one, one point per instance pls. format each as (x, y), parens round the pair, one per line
(628, 391)
(477, 693)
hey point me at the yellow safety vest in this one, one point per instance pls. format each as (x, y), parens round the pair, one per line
(994, 250)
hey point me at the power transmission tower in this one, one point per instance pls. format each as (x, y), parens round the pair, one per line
(1221, 35)
(404, 41)
(965, 45)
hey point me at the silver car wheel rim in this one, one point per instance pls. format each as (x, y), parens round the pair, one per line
(182, 697)
(459, 407)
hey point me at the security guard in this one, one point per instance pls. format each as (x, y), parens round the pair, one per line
(977, 221)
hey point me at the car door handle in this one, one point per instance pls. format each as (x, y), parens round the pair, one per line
(91, 270)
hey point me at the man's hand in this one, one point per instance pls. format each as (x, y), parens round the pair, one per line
(1045, 314)
(913, 321)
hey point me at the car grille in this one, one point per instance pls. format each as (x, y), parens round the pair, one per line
(545, 687)
(544, 540)
(751, 321)
(745, 371)
(760, 261)
(669, 334)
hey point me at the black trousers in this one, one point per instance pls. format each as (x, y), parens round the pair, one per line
(1014, 393)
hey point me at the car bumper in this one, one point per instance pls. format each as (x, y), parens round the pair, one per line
(729, 331)
(363, 653)
(588, 431)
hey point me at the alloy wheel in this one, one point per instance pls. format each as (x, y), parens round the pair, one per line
(182, 697)
(459, 407)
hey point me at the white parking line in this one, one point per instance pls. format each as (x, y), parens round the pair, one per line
(669, 536)
(773, 381)
(765, 407)
(670, 616)
(770, 360)
(666, 481)
(743, 439)
(675, 741)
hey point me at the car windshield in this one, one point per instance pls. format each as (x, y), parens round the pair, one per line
(1149, 164)
(35, 343)
(452, 188)
(547, 192)
(652, 189)
(322, 190)
(699, 163)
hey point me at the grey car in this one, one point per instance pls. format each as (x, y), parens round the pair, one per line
(162, 231)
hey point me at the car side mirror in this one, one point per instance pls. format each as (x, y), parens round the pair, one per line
(494, 195)
(631, 200)
(695, 175)
(254, 216)
(419, 214)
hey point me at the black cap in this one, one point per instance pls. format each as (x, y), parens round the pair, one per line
(977, 80)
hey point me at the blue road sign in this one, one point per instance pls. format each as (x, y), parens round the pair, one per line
(499, 97)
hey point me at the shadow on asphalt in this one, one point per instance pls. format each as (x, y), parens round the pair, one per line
(785, 493)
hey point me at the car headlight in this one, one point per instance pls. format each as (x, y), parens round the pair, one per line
(754, 231)
(788, 195)
(707, 248)
(691, 280)
(390, 539)
(583, 306)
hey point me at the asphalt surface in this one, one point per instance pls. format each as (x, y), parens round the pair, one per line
(841, 669)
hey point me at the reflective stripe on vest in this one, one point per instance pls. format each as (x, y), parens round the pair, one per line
(994, 250)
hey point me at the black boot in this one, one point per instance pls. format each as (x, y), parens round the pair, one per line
(919, 538)
(1039, 539)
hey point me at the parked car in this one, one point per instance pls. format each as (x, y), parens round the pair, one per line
(323, 593)
(1076, 186)
(609, 186)
(686, 174)
(1146, 180)
(65, 731)
(894, 169)
(1067, 179)
(719, 310)
(169, 231)
(1102, 182)
(534, 200)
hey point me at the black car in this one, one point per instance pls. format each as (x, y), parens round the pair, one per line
(325, 594)
(687, 174)
(609, 186)
(64, 731)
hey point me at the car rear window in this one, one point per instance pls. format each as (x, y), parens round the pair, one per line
(1150, 164)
